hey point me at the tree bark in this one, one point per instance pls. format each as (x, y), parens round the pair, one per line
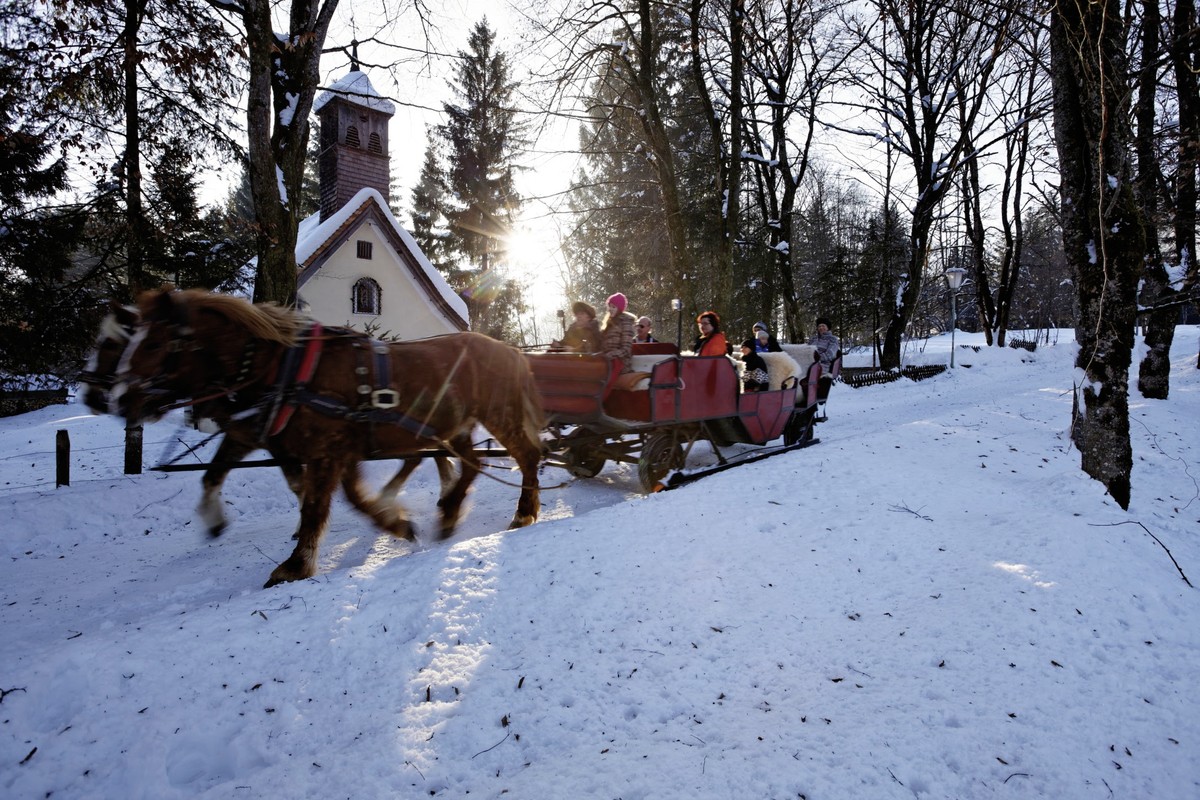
(1154, 373)
(283, 79)
(1103, 235)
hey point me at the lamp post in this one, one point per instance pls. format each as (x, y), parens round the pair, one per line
(677, 307)
(954, 279)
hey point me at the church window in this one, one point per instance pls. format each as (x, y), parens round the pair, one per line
(375, 144)
(365, 249)
(352, 137)
(366, 298)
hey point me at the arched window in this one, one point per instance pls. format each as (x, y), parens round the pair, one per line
(366, 298)
(375, 144)
(352, 137)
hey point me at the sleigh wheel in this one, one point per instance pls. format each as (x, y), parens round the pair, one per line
(582, 460)
(661, 453)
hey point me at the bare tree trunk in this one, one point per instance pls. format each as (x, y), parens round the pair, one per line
(1185, 62)
(1102, 228)
(135, 214)
(283, 79)
(1154, 373)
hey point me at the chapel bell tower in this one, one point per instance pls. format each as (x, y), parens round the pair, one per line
(354, 140)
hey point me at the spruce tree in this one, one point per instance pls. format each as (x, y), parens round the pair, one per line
(482, 135)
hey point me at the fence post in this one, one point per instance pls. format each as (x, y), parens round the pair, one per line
(133, 450)
(62, 459)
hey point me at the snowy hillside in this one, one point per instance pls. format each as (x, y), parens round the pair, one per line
(933, 602)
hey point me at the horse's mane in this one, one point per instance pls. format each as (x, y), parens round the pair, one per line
(263, 321)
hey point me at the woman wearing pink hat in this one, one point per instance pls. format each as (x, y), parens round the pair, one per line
(616, 340)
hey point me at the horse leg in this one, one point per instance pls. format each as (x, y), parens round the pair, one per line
(451, 502)
(528, 457)
(210, 508)
(445, 468)
(383, 509)
(320, 479)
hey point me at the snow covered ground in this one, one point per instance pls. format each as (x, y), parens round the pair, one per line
(932, 602)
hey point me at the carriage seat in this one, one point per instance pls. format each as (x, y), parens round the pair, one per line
(643, 365)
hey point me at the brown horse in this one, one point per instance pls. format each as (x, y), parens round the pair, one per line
(193, 344)
(241, 435)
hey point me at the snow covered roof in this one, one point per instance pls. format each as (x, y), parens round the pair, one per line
(315, 239)
(355, 87)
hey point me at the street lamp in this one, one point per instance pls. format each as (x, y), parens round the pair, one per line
(677, 307)
(954, 279)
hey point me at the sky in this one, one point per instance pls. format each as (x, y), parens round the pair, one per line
(933, 601)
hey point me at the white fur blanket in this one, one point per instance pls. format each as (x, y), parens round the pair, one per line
(780, 367)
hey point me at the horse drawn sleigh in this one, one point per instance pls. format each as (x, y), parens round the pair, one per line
(323, 400)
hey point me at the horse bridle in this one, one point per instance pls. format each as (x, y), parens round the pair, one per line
(182, 341)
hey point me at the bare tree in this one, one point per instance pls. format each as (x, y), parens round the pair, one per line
(1102, 227)
(937, 60)
(284, 74)
(794, 60)
(621, 44)
(1022, 100)
(1163, 200)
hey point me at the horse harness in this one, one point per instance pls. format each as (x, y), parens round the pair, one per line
(378, 398)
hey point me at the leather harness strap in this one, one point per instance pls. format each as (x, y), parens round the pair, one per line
(378, 404)
(299, 364)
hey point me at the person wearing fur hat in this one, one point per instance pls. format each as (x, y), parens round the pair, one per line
(826, 343)
(584, 334)
(711, 341)
(755, 377)
(764, 342)
(616, 338)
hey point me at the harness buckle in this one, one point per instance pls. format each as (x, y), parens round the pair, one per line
(385, 398)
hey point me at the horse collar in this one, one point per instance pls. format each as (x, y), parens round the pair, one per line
(298, 367)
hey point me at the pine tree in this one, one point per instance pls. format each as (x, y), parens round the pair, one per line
(47, 312)
(429, 222)
(482, 136)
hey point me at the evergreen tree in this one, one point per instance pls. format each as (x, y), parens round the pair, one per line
(429, 222)
(482, 135)
(47, 311)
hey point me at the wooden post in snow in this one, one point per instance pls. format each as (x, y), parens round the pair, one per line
(62, 459)
(133, 450)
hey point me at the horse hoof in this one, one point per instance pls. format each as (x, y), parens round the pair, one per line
(404, 530)
(282, 574)
(521, 521)
(217, 530)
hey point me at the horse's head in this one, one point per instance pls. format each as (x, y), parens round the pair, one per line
(195, 347)
(158, 366)
(101, 370)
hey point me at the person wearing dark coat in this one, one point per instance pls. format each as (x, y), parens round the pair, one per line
(755, 377)
(584, 334)
(711, 341)
(764, 342)
(645, 328)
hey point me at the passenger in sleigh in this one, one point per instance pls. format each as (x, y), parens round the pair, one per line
(764, 342)
(616, 343)
(584, 334)
(754, 377)
(645, 332)
(711, 341)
